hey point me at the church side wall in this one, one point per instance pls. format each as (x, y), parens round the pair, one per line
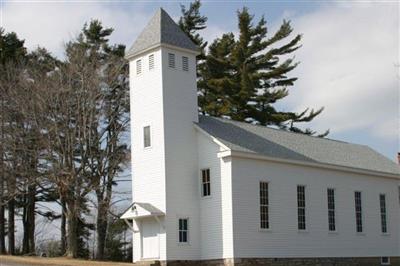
(216, 209)
(284, 240)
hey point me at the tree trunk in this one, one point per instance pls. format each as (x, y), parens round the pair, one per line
(63, 226)
(72, 236)
(28, 221)
(103, 203)
(2, 179)
(11, 227)
(101, 228)
(25, 224)
(31, 217)
(2, 225)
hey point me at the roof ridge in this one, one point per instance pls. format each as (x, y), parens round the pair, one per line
(245, 137)
(161, 29)
(277, 129)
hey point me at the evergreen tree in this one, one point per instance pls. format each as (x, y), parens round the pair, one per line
(11, 47)
(191, 22)
(242, 78)
(214, 86)
(83, 233)
(118, 248)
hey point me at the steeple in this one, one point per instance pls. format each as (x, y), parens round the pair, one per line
(163, 102)
(161, 30)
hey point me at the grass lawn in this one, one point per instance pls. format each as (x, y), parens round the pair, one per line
(35, 261)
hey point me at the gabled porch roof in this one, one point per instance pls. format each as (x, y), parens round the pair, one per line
(141, 210)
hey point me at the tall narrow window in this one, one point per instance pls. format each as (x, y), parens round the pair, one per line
(206, 182)
(264, 215)
(382, 203)
(185, 63)
(146, 136)
(301, 208)
(183, 230)
(138, 67)
(151, 61)
(171, 60)
(331, 209)
(358, 209)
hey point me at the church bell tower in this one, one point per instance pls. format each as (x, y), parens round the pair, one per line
(163, 98)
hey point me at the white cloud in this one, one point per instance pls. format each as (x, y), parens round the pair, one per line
(213, 31)
(348, 64)
(52, 24)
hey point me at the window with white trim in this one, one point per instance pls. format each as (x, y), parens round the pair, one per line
(185, 63)
(382, 204)
(146, 136)
(331, 209)
(151, 61)
(171, 60)
(138, 67)
(183, 230)
(385, 261)
(205, 183)
(301, 207)
(358, 211)
(264, 203)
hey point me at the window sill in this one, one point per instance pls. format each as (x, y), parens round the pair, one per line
(360, 234)
(302, 231)
(333, 232)
(150, 259)
(183, 244)
(385, 234)
(206, 197)
(265, 230)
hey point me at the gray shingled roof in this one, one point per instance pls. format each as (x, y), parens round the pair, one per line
(161, 30)
(276, 143)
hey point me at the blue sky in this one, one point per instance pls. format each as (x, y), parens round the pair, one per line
(349, 59)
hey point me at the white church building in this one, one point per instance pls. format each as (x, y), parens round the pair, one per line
(214, 191)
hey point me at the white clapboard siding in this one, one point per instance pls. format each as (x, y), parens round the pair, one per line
(180, 112)
(148, 164)
(284, 240)
(216, 209)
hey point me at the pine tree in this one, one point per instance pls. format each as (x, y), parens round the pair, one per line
(214, 86)
(191, 22)
(242, 78)
(118, 248)
(11, 47)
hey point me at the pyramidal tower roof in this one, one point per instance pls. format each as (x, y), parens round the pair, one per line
(161, 29)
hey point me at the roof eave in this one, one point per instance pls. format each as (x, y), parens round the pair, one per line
(214, 139)
(130, 56)
(250, 155)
